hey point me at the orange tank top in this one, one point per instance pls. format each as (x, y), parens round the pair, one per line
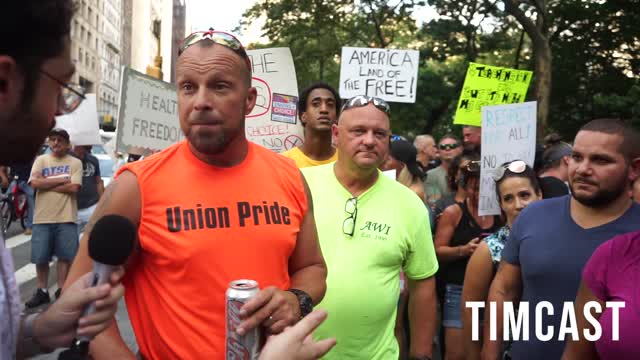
(202, 227)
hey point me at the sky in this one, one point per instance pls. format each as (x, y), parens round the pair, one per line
(221, 15)
(226, 14)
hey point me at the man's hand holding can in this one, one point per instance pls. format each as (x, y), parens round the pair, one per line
(273, 308)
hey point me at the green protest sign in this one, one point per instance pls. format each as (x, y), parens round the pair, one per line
(487, 85)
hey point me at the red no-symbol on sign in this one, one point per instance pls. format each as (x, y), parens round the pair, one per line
(292, 141)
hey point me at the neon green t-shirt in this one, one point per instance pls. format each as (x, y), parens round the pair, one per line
(363, 284)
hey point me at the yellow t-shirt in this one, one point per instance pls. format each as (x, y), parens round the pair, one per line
(303, 160)
(51, 206)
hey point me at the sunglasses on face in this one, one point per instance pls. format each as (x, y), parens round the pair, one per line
(364, 100)
(448, 146)
(219, 37)
(70, 96)
(516, 167)
(349, 224)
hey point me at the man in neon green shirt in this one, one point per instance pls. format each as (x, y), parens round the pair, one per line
(370, 228)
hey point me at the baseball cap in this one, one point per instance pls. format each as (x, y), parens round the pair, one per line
(405, 152)
(59, 132)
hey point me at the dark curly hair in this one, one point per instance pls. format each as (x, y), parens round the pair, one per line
(452, 172)
(465, 174)
(34, 31)
(304, 97)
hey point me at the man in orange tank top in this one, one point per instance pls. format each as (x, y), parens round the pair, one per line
(240, 211)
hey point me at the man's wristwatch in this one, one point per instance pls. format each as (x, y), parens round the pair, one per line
(306, 303)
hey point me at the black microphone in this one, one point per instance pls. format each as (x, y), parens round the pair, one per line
(110, 244)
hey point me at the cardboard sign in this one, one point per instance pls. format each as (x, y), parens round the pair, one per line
(487, 85)
(273, 123)
(82, 124)
(149, 122)
(508, 133)
(389, 74)
(148, 119)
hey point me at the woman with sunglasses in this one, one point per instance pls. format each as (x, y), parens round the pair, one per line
(516, 187)
(457, 194)
(457, 237)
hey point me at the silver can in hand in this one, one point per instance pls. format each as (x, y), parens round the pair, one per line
(238, 347)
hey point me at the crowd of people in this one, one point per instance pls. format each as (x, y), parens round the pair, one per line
(391, 261)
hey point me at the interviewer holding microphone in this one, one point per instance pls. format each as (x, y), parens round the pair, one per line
(35, 68)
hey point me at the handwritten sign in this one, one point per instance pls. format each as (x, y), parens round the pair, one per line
(82, 124)
(389, 74)
(273, 123)
(508, 133)
(148, 116)
(487, 85)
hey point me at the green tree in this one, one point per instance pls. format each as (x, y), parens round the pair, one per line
(596, 54)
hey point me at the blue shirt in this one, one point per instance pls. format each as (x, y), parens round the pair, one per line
(551, 251)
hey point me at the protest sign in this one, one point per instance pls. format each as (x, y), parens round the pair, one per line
(82, 124)
(487, 85)
(389, 74)
(273, 123)
(508, 133)
(148, 119)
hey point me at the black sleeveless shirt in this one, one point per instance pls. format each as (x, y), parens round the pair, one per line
(466, 230)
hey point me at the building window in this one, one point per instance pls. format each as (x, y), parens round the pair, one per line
(96, 43)
(82, 33)
(80, 54)
(90, 15)
(89, 38)
(93, 63)
(86, 58)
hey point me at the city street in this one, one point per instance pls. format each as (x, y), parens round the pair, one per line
(20, 246)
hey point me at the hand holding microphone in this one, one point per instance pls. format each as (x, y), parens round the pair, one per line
(94, 297)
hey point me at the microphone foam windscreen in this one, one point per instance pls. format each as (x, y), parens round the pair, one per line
(112, 240)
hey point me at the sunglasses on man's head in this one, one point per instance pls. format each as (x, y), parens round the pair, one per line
(364, 100)
(516, 167)
(448, 146)
(218, 37)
